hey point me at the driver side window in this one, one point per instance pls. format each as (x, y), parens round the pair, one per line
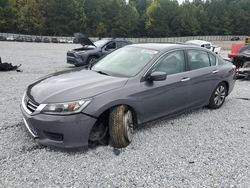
(111, 46)
(171, 63)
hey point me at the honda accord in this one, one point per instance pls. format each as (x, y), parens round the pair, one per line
(130, 86)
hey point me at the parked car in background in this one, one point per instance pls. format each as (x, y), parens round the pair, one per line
(28, 39)
(70, 41)
(20, 39)
(240, 57)
(54, 40)
(130, 86)
(90, 52)
(235, 38)
(62, 41)
(10, 38)
(46, 40)
(204, 44)
(3, 38)
(38, 39)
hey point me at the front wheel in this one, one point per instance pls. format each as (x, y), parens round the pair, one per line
(91, 60)
(218, 97)
(121, 126)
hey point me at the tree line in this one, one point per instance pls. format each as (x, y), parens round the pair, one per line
(122, 18)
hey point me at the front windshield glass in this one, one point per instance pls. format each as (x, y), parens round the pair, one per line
(124, 62)
(100, 43)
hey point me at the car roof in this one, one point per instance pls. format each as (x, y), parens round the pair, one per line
(198, 42)
(115, 39)
(162, 46)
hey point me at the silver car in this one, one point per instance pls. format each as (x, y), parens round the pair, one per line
(132, 85)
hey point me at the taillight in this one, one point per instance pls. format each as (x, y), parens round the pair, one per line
(234, 69)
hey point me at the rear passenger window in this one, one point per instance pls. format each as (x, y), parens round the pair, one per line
(198, 59)
(212, 59)
(172, 63)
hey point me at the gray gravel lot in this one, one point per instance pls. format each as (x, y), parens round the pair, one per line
(203, 148)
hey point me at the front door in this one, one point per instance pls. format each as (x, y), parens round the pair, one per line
(160, 98)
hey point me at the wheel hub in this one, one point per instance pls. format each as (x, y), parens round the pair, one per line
(219, 96)
(128, 125)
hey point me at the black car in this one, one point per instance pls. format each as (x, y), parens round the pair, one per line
(38, 39)
(3, 38)
(46, 40)
(90, 51)
(28, 39)
(236, 38)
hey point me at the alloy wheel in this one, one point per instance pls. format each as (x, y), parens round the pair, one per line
(128, 125)
(220, 95)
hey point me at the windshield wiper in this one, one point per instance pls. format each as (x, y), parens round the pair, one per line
(100, 72)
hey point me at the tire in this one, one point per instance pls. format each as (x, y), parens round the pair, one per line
(246, 64)
(121, 126)
(91, 60)
(218, 97)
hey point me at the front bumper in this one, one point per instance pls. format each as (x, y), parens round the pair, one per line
(71, 131)
(75, 59)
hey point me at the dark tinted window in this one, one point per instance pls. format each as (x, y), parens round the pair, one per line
(111, 46)
(212, 59)
(198, 59)
(171, 63)
(121, 44)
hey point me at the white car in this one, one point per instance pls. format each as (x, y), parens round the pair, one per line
(10, 38)
(204, 44)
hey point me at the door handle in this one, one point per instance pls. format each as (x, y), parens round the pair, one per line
(185, 79)
(215, 71)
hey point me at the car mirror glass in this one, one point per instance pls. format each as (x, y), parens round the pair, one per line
(157, 76)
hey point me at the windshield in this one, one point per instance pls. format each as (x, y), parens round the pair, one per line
(100, 43)
(124, 62)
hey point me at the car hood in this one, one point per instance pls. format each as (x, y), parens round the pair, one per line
(72, 85)
(83, 49)
(83, 40)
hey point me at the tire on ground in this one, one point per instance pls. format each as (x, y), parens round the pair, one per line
(212, 103)
(117, 129)
(91, 60)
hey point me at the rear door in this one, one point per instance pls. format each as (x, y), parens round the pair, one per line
(204, 76)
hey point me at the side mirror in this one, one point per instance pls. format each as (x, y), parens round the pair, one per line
(157, 76)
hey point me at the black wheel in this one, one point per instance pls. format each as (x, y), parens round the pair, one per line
(246, 64)
(218, 97)
(121, 126)
(91, 60)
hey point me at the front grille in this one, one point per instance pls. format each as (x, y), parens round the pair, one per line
(32, 106)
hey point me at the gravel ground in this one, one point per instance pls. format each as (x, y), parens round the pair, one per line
(203, 148)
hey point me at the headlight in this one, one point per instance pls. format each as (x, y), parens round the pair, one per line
(66, 108)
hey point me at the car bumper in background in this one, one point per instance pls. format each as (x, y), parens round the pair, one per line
(243, 72)
(71, 131)
(75, 59)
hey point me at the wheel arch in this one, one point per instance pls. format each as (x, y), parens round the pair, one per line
(103, 119)
(106, 111)
(227, 85)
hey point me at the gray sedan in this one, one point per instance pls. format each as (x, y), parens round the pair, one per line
(132, 85)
